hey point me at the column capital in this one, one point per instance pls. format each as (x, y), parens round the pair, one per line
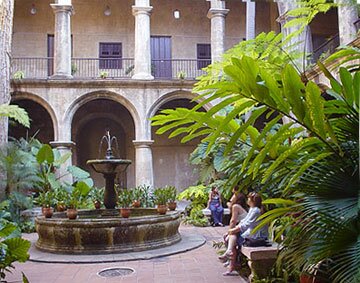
(217, 12)
(62, 144)
(59, 8)
(142, 143)
(137, 10)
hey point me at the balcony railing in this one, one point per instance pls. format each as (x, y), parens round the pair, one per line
(92, 68)
(327, 48)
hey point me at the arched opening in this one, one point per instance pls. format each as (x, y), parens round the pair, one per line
(41, 125)
(89, 125)
(171, 157)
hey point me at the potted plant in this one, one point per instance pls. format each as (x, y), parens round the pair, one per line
(45, 199)
(125, 199)
(78, 194)
(97, 196)
(104, 74)
(171, 195)
(161, 198)
(137, 196)
(181, 75)
(60, 197)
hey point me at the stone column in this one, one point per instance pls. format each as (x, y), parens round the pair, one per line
(299, 44)
(142, 58)
(62, 41)
(144, 173)
(347, 15)
(217, 14)
(250, 19)
(64, 147)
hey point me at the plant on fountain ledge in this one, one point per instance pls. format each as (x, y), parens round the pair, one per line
(77, 196)
(46, 200)
(97, 196)
(161, 198)
(137, 196)
(171, 196)
(124, 200)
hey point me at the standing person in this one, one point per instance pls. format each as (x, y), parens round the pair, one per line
(214, 204)
(244, 230)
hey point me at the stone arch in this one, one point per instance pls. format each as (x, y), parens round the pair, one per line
(170, 156)
(18, 96)
(178, 94)
(89, 120)
(113, 96)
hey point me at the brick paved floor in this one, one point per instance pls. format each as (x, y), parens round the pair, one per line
(197, 266)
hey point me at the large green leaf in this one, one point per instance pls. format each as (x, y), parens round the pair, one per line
(18, 249)
(45, 154)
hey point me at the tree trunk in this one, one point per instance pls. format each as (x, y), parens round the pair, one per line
(6, 23)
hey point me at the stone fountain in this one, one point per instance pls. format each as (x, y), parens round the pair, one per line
(104, 231)
(109, 167)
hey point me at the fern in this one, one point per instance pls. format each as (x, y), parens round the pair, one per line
(16, 113)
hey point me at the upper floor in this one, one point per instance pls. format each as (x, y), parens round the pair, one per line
(104, 35)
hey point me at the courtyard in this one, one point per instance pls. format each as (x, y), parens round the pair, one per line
(197, 265)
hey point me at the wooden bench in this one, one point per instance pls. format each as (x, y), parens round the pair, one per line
(261, 260)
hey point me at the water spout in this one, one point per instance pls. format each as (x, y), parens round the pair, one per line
(109, 148)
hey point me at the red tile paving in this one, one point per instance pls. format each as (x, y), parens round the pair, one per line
(196, 266)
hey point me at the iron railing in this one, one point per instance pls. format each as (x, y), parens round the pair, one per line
(92, 68)
(327, 48)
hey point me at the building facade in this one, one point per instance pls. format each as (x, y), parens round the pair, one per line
(81, 67)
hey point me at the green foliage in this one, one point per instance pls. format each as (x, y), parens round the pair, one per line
(171, 193)
(17, 160)
(144, 194)
(78, 195)
(198, 195)
(311, 161)
(19, 75)
(161, 196)
(125, 198)
(16, 113)
(97, 194)
(12, 247)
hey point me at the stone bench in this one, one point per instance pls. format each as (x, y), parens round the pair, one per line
(261, 260)
(226, 219)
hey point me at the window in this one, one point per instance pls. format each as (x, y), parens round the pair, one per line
(110, 55)
(203, 55)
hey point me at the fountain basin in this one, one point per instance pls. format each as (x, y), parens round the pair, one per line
(105, 231)
(109, 166)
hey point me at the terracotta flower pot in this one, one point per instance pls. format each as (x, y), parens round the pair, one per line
(48, 212)
(172, 205)
(97, 204)
(60, 207)
(125, 212)
(136, 203)
(71, 213)
(161, 208)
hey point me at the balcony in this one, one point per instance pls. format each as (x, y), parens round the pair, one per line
(95, 68)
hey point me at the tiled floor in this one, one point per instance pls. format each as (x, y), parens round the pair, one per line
(196, 266)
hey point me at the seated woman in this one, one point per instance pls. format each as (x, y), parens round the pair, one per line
(238, 207)
(214, 204)
(244, 230)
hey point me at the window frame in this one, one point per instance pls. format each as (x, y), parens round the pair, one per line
(112, 64)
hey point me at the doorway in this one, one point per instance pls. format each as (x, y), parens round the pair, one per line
(161, 56)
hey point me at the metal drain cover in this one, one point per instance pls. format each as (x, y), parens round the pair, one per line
(116, 272)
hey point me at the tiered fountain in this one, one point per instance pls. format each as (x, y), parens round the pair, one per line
(103, 230)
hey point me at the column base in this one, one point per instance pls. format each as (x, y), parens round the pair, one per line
(142, 76)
